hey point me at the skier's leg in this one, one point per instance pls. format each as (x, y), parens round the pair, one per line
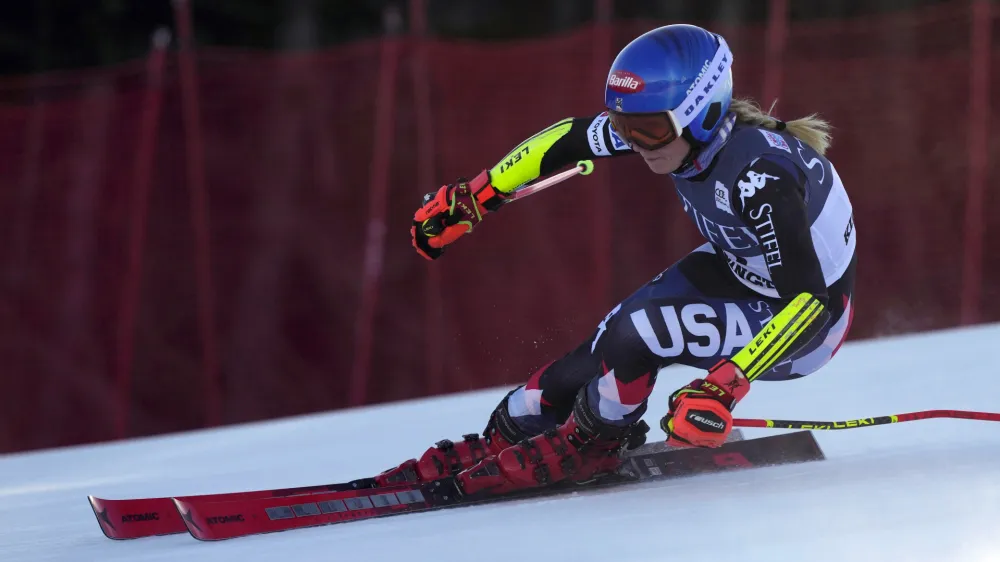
(526, 411)
(695, 313)
(546, 399)
(690, 314)
(594, 397)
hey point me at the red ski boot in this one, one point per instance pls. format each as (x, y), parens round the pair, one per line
(582, 448)
(443, 459)
(446, 458)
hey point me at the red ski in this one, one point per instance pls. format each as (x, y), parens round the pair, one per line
(147, 517)
(210, 520)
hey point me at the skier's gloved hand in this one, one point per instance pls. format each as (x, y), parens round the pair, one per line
(451, 212)
(699, 413)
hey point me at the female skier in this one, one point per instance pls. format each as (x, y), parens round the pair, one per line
(767, 296)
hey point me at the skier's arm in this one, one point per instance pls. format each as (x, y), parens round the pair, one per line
(700, 413)
(563, 143)
(776, 214)
(770, 198)
(457, 208)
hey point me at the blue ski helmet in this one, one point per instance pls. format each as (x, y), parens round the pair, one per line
(682, 70)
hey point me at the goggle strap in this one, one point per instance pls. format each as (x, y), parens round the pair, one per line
(685, 113)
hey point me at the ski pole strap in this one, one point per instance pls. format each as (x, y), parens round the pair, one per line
(865, 422)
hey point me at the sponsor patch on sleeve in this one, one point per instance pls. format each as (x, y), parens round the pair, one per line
(775, 140)
(595, 136)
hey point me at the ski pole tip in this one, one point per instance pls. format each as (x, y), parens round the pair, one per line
(588, 167)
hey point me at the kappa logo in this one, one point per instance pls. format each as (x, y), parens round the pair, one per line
(754, 183)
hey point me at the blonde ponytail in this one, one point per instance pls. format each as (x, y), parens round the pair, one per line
(810, 129)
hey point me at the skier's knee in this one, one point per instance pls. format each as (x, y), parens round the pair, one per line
(621, 341)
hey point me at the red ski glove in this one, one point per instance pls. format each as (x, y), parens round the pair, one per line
(451, 212)
(699, 413)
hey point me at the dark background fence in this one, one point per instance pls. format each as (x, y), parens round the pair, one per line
(215, 235)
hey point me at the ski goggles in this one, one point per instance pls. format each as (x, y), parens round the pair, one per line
(650, 131)
(658, 129)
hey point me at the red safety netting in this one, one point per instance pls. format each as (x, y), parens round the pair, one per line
(292, 148)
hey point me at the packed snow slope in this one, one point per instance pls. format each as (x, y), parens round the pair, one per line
(924, 490)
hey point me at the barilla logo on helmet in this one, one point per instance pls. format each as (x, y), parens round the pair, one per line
(625, 82)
